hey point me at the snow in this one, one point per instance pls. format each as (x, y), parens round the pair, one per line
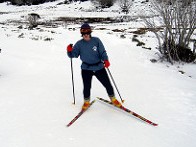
(36, 91)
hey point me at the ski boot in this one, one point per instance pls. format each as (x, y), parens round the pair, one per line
(115, 102)
(86, 104)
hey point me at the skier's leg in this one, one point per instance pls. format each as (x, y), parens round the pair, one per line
(102, 76)
(87, 78)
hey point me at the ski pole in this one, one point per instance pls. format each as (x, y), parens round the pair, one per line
(72, 80)
(115, 85)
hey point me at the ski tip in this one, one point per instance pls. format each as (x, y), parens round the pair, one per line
(123, 101)
(155, 124)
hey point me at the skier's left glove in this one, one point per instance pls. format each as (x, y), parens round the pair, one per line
(106, 63)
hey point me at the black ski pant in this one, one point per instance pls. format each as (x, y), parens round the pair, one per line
(102, 76)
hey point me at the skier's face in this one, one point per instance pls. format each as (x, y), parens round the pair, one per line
(86, 36)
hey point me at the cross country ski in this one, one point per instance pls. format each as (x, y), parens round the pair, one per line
(79, 114)
(129, 111)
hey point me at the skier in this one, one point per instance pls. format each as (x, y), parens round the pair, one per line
(94, 61)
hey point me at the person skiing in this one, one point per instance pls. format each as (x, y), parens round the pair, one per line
(94, 61)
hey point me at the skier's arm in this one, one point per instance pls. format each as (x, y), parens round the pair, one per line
(102, 51)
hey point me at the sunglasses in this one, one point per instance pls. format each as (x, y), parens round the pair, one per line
(85, 31)
(88, 33)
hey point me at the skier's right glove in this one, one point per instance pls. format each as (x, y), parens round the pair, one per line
(70, 47)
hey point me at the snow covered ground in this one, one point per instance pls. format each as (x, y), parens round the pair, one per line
(36, 92)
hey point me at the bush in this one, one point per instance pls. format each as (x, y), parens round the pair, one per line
(104, 3)
(32, 18)
(1, 1)
(178, 52)
(179, 21)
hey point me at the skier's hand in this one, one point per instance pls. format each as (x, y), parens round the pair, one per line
(106, 63)
(70, 47)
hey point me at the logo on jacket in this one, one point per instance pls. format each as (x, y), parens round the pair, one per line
(94, 48)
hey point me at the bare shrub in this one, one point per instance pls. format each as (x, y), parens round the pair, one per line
(103, 3)
(179, 22)
(32, 18)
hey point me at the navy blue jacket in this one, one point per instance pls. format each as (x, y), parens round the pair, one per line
(92, 53)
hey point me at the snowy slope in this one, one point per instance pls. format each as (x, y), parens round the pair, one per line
(36, 93)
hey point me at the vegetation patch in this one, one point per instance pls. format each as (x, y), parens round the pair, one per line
(139, 43)
(118, 30)
(3, 13)
(87, 19)
(141, 31)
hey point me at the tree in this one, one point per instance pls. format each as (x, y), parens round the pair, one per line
(179, 22)
(1, 1)
(104, 3)
(125, 5)
(28, 2)
(77, 0)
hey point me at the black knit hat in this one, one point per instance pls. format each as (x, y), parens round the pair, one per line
(85, 28)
